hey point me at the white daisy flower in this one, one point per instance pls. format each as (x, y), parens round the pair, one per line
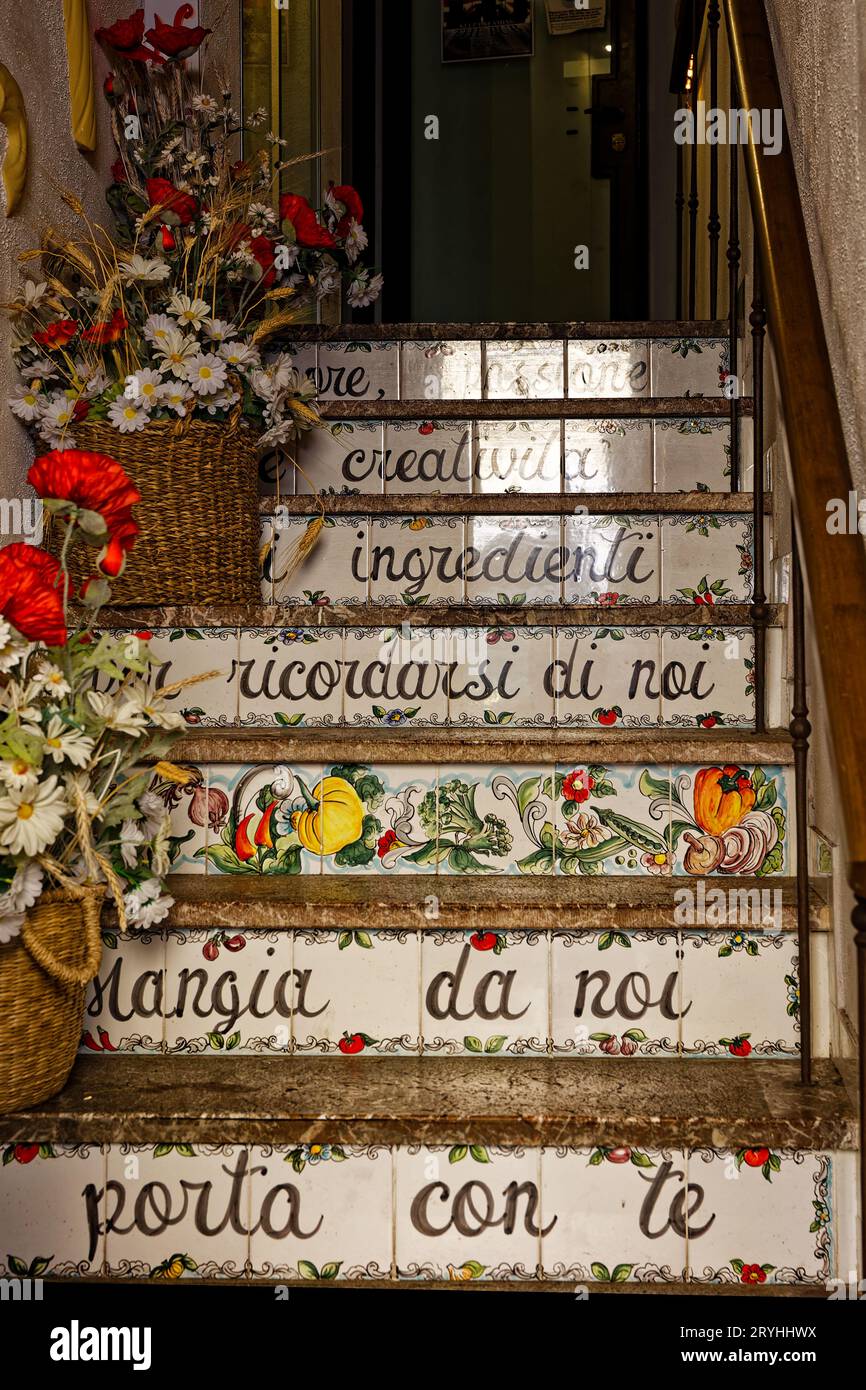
(154, 813)
(17, 773)
(143, 387)
(124, 717)
(95, 384)
(223, 400)
(206, 373)
(203, 101)
(356, 241)
(44, 368)
(193, 161)
(218, 330)
(10, 924)
(139, 269)
(238, 355)
(154, 912)
(56, 419)
(158, 327)
(25, 403)
(52, 679)
(175, 396)
(126, 416)
(190, 312)
(32, 816)
(62, 741)
(176, 352)
(12, 647)
(25, 887)
(260, 212)
(131, 836)
(364, 291)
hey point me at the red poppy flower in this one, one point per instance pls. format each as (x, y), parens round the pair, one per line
(308, 229)
(175, 40)
(31, 597)
(178, 208)
(351, 200)
(91, 482)
(125, 38)
(57, 334)
(107, 330)
(577, 786)
(169, 240)
(80, 410)
(111, 559)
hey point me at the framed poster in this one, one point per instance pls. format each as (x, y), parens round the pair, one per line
(567, 17)
(476, 30)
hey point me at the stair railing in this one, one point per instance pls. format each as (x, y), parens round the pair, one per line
(830, 569)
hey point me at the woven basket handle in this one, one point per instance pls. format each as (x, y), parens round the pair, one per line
(67, 974)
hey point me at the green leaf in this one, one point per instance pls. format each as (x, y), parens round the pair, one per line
(496, 1043)
(331, 1269)
(600, 1272)
(621, 1273)
(289, 721)
(162, 1150)
(307, 1269)
(185, 1150)
(457, 1153)
(479, 1153)
(475, 1269)
(641, 1160)
(232, 1042)
(345, 939)
(473, 1044)
(215, 1041)
(18, 1267)
(363, 938)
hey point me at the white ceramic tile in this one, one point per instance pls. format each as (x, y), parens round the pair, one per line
(501, 676)
(688, 366)
(466, 1212)
(612, 820)
(263, 819)
(52, 1209)
(358, 371)
(397, 816)
(177, 1210)
(303, 358)
(706, 559)
(600, 370)
(267, 534)
(524, 370)
(612, 559)
(618, 1215)
(692, 455)
(709, 803)
(616, 993)
(228, 991)
(182, 654)
(345, 459)
(324, 1212)
(742, 1226)
(443, 371)
(607, 677)
(291, 676)
(334, 572)
(495, 820)
(396, 676)
(707, 683)
(518, 456)
(276, 474)
(513, 560)
(367, 987)
(428, 456)
(416, 561)
(737, 1005)
(484, 994)
(188, 809)
(124, 1008)
(608, 456)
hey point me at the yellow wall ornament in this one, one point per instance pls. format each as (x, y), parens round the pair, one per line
(14, 117)
(80, 59)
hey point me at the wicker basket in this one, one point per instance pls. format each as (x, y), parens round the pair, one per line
(43, 976)
(199, 511)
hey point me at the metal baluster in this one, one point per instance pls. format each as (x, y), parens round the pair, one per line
(694, 201)
(680, 206)
(801, 731)
(714, 226)
(735, 256)
(760, 610)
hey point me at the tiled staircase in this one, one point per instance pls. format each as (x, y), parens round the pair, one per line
(483, 964)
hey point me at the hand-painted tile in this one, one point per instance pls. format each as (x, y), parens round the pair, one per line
(396, 676)
(518, 456)
(362, 993)
(358, 371)
(157, 1230)
(524, 370)
(334, 572)
(692, 455)
(291, 676)
(611, 560)
(380, 819)
(276, 474)
(417, 560)
(445, 371)
(612, 820)
(501, 676)
(495, 820)
(343, 460)
(513, 560)
(744, 1003)
(264, 819)
(708, 683)
(52, 1210)
(731, 820)
(759, 1216)
(484, 994)
(187, 654)
(324, 1212)
(189, 811)
(304, 358)
(613, 1215)
(608, 456)
(706, 559)
(228, 991)
(267, 537)
(598, 369)
(124, 1007)
(466, 1212)
(616, 993)
(428, 456)
(689, 366)
(607, 677)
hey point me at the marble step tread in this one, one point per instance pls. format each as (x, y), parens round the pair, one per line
(653, 1103)
(602, 330)
(522, 504)
(546, 408)
(494, 746)
(283, 616)
(370, 902)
